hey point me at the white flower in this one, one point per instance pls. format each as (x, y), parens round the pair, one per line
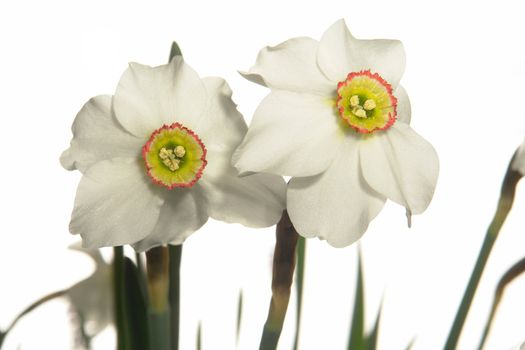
(92, 297)
(336, 120)
(155, 159)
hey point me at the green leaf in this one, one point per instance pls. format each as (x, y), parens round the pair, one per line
(508, 189)
(515, 271)
(356, 340)
(371, 339)
(301, 251)
(175, 50)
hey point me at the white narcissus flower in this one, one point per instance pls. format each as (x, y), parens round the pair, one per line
(337, 121)
(155, 159)
(92, 297)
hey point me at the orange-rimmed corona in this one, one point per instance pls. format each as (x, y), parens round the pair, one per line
(365, 102)
(175, 156)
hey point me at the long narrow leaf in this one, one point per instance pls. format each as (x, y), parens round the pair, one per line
(199, 336)
(515, 271)
(239, 316)
(508, 188)
(371, 339)
(357, 340)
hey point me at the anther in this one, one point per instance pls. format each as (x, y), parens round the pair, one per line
(354, 101)
(369, 104)
(359, 112)
(180, 151)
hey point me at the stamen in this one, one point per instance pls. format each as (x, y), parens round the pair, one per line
(369, 104)
(354, 101)
(180, 151)
(359, 112)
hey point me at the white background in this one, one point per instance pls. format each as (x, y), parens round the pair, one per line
(465, 76)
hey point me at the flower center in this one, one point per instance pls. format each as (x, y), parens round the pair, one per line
(175, 156)
(365, 102)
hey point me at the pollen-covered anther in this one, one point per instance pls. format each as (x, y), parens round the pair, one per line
(359, 112)
(180, 151)
(354, 101)
(369, 104)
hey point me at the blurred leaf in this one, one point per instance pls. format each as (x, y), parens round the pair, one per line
(301, 250)
(175, 50)
(123, 336)
(239, 315)
(515, 271)
(356, 339)
(411, 344)
(199, 336)
(371, 339)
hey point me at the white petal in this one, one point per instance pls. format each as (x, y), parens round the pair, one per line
(340, 53)
(336, 205)
(97, 136)
(291, 134)
(292, 66)
(92, 298)
(255, 201)
(401, 165)
(404, 111)
(116, 204)
(184, 211)
(223, 127)
(149, 97)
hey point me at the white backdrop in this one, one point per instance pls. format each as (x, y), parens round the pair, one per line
(465, 76)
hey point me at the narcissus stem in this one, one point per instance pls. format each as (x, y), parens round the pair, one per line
(506, 199)
(175, 254)
(283, 270)
(158, 286)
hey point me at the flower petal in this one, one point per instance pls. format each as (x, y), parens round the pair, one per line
(404, 111)
(292, 66)
(149, 97)
(256, 200)
(92, 298)
(185, 210)
(115, 204)
(336, 205)
(340, 53)
(97, 135)
(291, 134)
(402, 166)
(224, 127)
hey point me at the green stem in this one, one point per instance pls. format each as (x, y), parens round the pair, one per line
(301, 251)
(283, 269)
(175, 254)
(30, 308)
(123, 336)
(159, 308)
(508, 189)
